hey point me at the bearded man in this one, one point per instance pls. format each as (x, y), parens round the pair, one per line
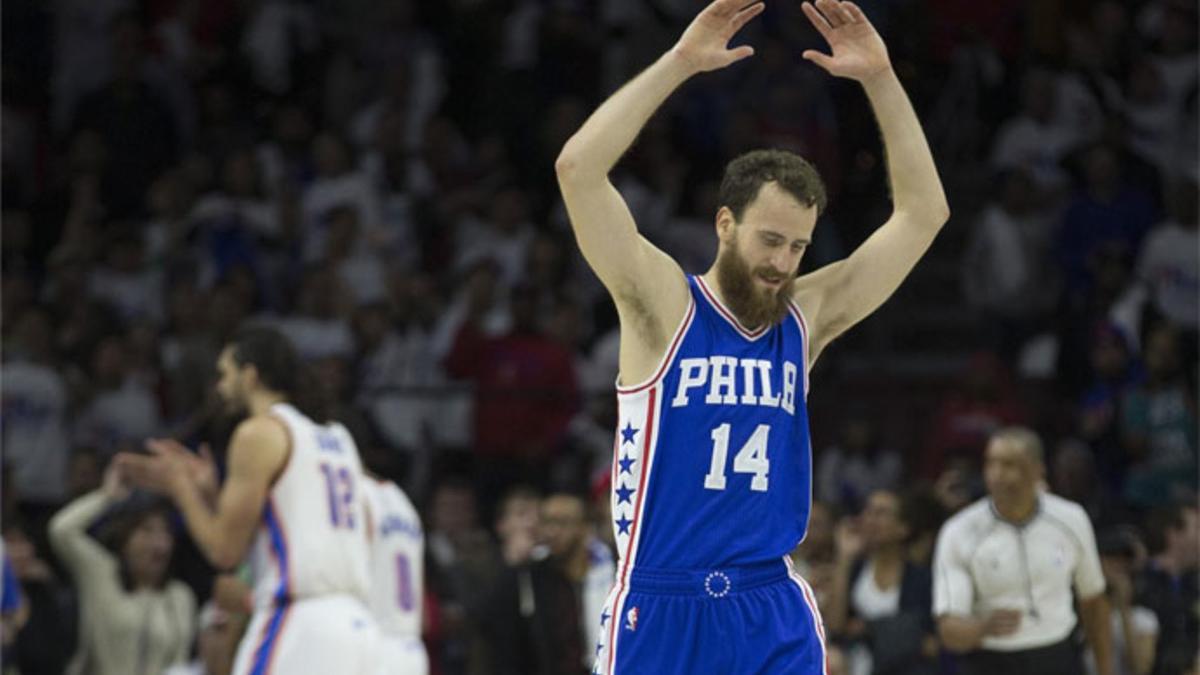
(712, 470)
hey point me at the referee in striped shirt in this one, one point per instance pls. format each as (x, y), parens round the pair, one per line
(1005, 568)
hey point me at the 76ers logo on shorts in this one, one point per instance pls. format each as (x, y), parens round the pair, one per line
(631, 619)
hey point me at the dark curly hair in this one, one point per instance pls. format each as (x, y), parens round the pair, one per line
(746, 174)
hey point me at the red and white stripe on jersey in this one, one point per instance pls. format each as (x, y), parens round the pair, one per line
(810, 599)
(793, 309)
(633, 462)
(728, 315)
(798, 315)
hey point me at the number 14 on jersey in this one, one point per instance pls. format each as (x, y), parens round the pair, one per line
(752, 458)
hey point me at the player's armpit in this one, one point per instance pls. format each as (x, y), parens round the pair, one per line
(838, 296)
(647, 286)
(810, 294)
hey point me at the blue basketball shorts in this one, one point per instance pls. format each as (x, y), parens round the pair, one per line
(738, 621)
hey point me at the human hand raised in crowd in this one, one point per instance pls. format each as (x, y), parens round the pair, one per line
(848, 541)
(115, 486)
(858, 51)
(704, 44)
(26, 564)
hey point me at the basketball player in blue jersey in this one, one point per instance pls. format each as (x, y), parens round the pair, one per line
(712, 473)
(291, 503)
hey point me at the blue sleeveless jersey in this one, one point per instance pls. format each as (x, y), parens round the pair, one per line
(712, 463)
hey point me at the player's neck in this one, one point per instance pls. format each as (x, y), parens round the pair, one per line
(261, 401)
(1017, 511)
(889, 555)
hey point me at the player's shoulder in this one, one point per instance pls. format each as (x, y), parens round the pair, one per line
(400, 498)
(263, 428)
(1065, 510)
(387, 490)
(974, 517)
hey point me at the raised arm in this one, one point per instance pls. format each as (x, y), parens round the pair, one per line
(223, 531)
(840, 295)
(640, 277)
(87, 558)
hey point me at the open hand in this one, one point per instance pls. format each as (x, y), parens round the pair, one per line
(164, 470)
(704, 45)
(848, 541)
(858, 51)
(202, 469)
(115, 484)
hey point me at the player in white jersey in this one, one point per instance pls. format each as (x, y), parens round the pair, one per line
(291, 501)
(397, 577)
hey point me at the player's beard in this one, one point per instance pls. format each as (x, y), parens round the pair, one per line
(753, 305)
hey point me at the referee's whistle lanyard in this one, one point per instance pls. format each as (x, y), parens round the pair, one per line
(1033, 612)
(1020, 529)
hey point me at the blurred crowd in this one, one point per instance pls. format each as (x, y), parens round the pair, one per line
(376, 180)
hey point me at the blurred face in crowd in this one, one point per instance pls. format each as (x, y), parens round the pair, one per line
(323, 294)
(1162, 352)
(1010, 471)
(109, 362)
(1100, 167)
(881, 522)
(342, 234)
(334, 374)
(234, 383)
(83, 473)
(545, 263)
(1074, 472)
(1018, 192)
(332, 157)
(1187, 540)
(519, 518)
(1116, 565)
(858, 436)
(759, 257)
(21, 552)
(818, 541)
(371, 326)
(33, 335)
(1182, 202)
(453, 510)
(1145, 83)
(509, 210)
(1109, 358)
(563, 525)
(241, 175)
(1040, 96)
(147, 550)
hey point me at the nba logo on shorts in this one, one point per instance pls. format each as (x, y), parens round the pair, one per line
(631, 619)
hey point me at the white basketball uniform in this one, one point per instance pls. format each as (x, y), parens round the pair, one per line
(397, 578)
(310, 561)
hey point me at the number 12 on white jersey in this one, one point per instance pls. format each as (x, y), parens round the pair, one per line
(752, 458)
